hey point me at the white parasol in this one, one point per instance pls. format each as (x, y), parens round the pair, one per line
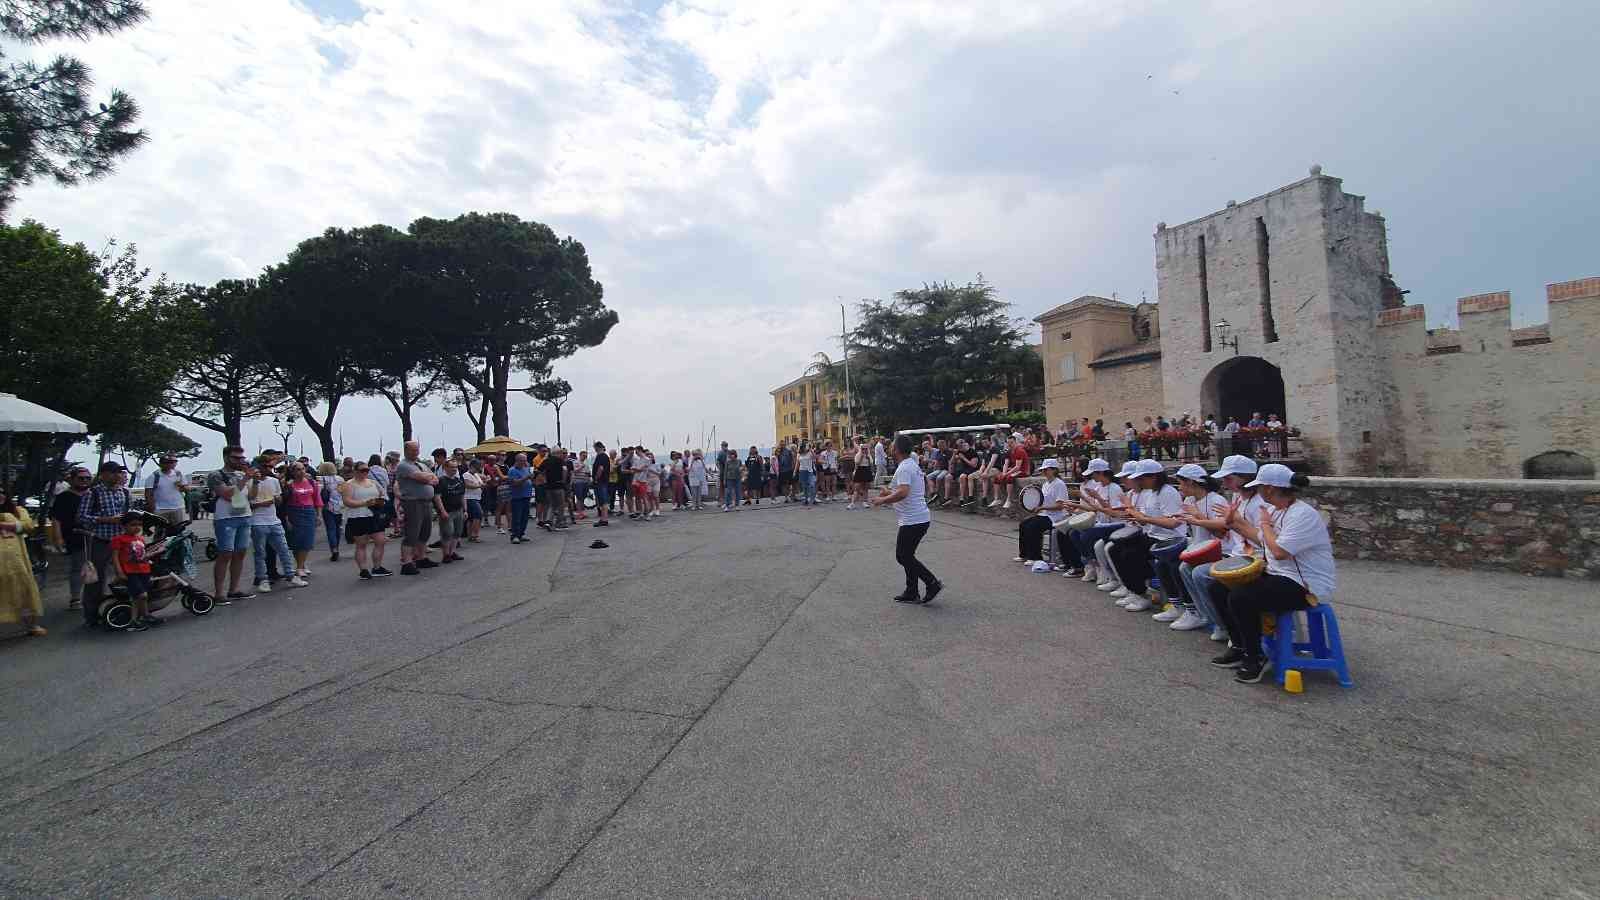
(21, 416)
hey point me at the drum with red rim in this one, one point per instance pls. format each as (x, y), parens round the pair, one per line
(1202, 553)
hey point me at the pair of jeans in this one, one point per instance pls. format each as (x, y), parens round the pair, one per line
(519, 516)
(808, 486)
(1197, 581)
(1172, 583)
(1079, 545)
(580, 492)
(270, 539)
(1242, 607)
(905, 553)
(730, 492)
(334, 523)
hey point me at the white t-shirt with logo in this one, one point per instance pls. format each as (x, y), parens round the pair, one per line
(1301, 531)
(1235, 544)
(913, 510)
(1208, 507)
(167, 490)
(1108, 495)
(268, 489)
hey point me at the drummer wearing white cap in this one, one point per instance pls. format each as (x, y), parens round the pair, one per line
(1233, 475)
(1127, 479)
(1300, 568)
(1155, 509)
(1052, 512)
(1099, 495)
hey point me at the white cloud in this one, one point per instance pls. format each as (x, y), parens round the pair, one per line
(733, 166)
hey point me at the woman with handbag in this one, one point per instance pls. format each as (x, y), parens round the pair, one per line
(19, 592)
(364, 520)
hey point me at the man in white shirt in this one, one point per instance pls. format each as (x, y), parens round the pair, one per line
(166, 491)
(907, 492)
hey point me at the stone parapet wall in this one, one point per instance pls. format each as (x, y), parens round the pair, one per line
(1547, 528)
(1532, 527)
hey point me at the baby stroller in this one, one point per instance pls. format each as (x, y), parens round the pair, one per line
(171, 555)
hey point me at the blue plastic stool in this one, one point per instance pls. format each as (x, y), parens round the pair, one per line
(1325, 647)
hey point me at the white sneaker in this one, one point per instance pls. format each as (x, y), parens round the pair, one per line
(1136, 603)
(264, 587)
(1106, 586)
(1090, 575)
(1019, 559)
(1219, 634)
(1120, 593)
(850, 506)
(994, 504)
(304, 573)
(1170, 614)
(1006, 505)
(1189, 621)
(297, 581)
(500, 531)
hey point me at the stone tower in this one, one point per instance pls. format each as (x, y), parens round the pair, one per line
(1299, 275)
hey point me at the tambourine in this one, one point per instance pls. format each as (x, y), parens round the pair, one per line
(1238, 571)
(1202, 553)
(1125, 532)
(1080, 521)
(1032, 498)
(1169, 550)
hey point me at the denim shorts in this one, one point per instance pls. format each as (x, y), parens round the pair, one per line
(233, 534)
(474, 510)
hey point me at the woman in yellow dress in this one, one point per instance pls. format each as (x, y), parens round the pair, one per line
(19, 593)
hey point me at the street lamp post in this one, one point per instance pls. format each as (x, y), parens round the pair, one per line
(284, 428)
(1224, 330)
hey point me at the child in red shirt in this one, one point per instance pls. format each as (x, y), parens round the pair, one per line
(127, 555)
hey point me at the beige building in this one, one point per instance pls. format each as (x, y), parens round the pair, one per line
(810, 409)
(1285, 303)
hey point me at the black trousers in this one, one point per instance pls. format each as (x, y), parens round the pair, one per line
(905, 553)
(1241, 608)
(1030, 537)
(1132, 559)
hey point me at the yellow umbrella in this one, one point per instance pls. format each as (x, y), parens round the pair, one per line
(498, 444)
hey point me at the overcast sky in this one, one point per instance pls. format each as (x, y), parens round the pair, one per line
(734, 167)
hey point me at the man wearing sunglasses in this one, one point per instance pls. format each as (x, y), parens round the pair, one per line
(232, 523)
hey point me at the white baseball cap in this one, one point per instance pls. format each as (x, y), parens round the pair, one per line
(1129, 469)
(1097, 465)
(1275, 475)
(1051, 463)
(1150, 467)
(1192, 471)
(1236, 465)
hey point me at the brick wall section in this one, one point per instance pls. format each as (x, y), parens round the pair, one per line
(1401, 315)
(1573, 290)
(1547, 528)
(1533, 527)
(1478, 303)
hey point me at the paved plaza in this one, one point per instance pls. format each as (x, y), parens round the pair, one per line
(730, 705)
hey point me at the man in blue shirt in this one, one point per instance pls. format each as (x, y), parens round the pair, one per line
(521, 478)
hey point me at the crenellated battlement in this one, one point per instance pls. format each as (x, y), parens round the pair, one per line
(1484, 315)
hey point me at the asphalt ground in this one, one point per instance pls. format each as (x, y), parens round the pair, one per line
(730, 705)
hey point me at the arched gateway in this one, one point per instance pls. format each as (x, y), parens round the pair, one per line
(1241, 386)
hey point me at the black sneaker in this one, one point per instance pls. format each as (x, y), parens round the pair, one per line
(426, 563)
(1230, 658)
(603, 523)
(931, 591)
(1252, 670)
(334, 557)
(907, 598)
(409, 569)
(434, 545)
(137, 625)
(365, 575)
(633, 515)
(547, 526)
(380, 572)
(447, 560)
(240, 595)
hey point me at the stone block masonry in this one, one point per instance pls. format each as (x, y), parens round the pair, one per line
(1533, 527)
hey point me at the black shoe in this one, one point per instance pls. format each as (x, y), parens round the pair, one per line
(409, 569)
(365, 575)
(907, 598)
(447, 560)
(380, 572)
(633, 515)
(1252, 670)
(547, 526)
(434, 545)
(137, 625)
(603, 523)
(240, 595)
(1230, 658)
(334, 557)
(426, 563)
(931, 591)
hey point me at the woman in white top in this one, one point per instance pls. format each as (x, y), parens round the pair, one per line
(360, 496)
(1157, 502)
(806, 465)
(1300, 568)
(1117, 512)
(1233, 475)
(1200, 501)
(1098, 495)
(473, 478)
(328, 482)
(906, 492)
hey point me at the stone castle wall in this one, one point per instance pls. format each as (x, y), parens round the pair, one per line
(1479, 401)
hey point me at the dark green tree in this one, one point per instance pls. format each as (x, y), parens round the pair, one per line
(145, 441)
(552, 392)
(519, 299)
(223, 382)
(85, 333)
(50, 127)
(320, 320)
(934, 356)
